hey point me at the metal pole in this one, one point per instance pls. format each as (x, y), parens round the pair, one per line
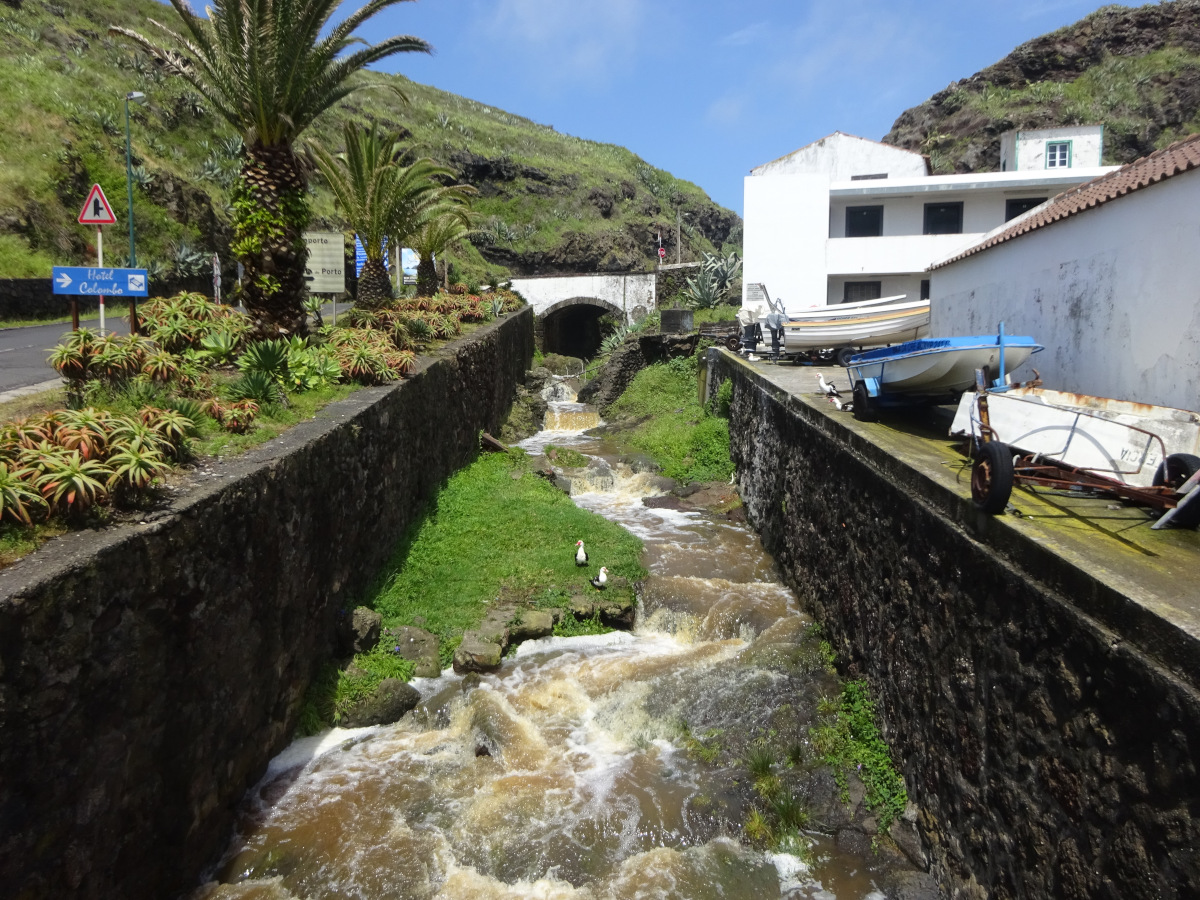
(133, 319)
(100, 264)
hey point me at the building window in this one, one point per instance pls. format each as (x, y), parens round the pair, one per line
(1058, 155)
(944, 218)
(853, 291)
(1014, 208)
(864, 221)
(924, 288)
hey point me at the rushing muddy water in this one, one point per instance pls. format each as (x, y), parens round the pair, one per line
(568, 773)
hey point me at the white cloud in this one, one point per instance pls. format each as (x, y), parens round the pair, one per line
(726, 110)
(579, 41)
(745, 36)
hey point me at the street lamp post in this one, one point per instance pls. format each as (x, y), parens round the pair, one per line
(136, 97)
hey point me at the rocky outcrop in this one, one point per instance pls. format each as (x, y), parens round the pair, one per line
(388, 703)
(417, 646)
(963, 135)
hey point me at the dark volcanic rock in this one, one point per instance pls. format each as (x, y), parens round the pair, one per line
(388, 703)
(360, 631)
(1168, 103)
(416, 645)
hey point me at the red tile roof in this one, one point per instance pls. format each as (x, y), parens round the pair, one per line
(1180, 157)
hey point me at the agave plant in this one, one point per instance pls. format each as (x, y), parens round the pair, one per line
(71, 362)
(257, 386)
(220, 346)
(18, 498)
(268, 357)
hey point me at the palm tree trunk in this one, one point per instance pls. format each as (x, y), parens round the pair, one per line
(270, 213)
(374, 285)
(426, 277)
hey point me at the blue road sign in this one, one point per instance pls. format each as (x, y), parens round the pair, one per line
(84, 281)
(360, 256)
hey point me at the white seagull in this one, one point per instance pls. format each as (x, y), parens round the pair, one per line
(600, 580)
(580, 554)
(829, 389)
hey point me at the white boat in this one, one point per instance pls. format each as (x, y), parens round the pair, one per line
(1114, 439)
(937, 367)
(869, 323)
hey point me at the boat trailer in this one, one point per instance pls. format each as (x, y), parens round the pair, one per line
(998, 467)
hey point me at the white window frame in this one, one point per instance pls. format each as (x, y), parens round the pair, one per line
(1056, 150)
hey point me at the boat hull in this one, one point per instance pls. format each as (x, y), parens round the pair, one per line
(938, 367)
(861, 325)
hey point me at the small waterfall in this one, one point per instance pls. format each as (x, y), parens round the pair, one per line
(571, 416)
(565, 412)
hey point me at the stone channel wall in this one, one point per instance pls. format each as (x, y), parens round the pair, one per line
(1049, 737)
(148, 672)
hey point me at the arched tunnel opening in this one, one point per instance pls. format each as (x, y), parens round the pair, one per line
(575, 329)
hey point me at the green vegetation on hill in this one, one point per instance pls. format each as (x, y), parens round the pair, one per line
(1134, 70)
(549, 202)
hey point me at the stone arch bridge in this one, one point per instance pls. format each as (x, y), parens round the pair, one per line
(569, 307)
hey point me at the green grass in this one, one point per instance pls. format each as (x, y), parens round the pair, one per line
(20, 540)
(272, 421)
(849, 739)
(686, 440)
(495, 528)
(726, 312)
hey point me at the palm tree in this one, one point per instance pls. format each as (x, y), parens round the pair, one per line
(381, 198)
(265, 68)
(441, 228)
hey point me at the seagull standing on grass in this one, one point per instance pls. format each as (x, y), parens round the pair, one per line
(600, 580)
(580, 554)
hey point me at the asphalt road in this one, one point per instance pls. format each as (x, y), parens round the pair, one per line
(23, 351)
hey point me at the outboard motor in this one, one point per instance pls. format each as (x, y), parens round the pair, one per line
(751, 331)
(775, 322)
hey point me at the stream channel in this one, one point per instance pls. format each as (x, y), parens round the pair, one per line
(570, 773)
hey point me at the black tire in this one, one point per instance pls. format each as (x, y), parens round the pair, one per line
(865, 407)
(1176, 469)
(992, 477)
(733, 342)
(843, 354)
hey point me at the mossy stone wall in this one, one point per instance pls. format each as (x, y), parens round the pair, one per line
(1049, 740)
(148, 672)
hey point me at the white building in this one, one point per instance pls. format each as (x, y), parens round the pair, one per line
(846, 218)
(1080, 147)
(1106, 277)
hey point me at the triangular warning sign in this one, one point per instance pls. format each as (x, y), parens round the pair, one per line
(96, 210)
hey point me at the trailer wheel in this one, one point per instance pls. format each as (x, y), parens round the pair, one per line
(1176, 469)
(866, 409)
(843, 354)
(733, 342)
(992, 477)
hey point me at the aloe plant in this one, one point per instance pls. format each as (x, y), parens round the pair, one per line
(72, 483)
(134, 469)
(17, 496)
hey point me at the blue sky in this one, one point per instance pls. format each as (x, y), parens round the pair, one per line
(707, 89)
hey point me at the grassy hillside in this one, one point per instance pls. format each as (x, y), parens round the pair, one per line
(1134, 69)
(549, 202)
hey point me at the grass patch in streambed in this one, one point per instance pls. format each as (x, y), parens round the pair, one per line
(496, 528)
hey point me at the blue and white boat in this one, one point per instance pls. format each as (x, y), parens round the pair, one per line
(933, 369)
